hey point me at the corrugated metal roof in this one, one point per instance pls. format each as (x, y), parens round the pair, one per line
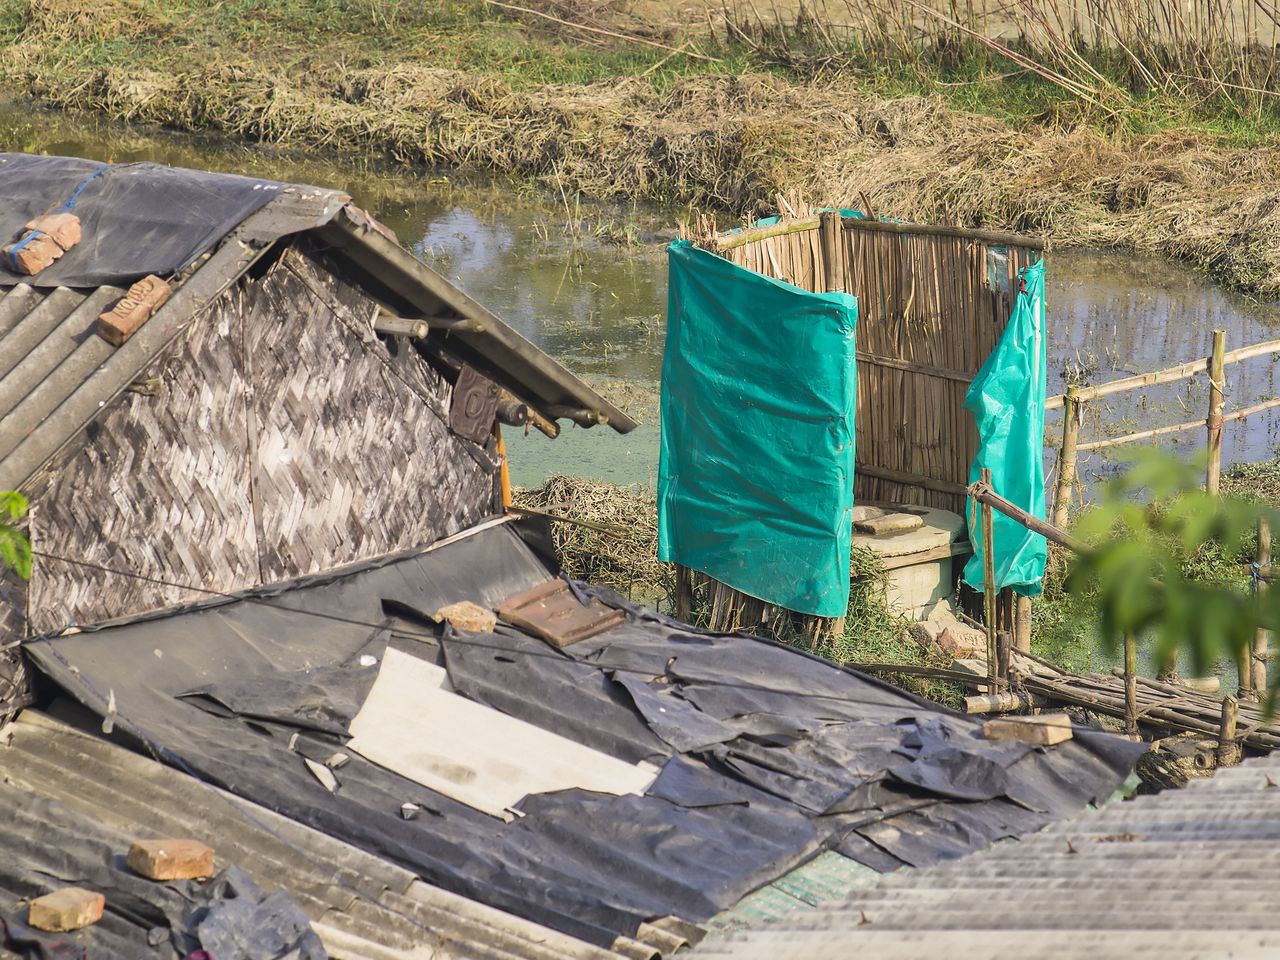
(1184, 873)
(55, 374)
(362, 906)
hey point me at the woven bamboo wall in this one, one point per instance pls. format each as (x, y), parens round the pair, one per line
(335, 454)
(927, 319)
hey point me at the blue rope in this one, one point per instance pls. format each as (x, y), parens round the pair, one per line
(71, 201)
(65, 208)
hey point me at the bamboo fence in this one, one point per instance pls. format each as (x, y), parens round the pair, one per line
(932, 303)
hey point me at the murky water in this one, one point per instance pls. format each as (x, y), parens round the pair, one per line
(588, 284)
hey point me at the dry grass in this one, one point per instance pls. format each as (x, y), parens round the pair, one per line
(626, 563)
(726, 143)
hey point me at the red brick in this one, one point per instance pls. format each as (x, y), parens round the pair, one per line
(67, 909)
(31, 253)
(64, 228)
(174, 859)
(133, 310)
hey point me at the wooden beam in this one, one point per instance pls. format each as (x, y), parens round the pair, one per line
(399, 327)
(911, 479)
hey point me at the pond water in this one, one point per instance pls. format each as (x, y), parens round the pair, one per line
(587, 283)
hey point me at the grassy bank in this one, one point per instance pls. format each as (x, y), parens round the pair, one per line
(745, 111)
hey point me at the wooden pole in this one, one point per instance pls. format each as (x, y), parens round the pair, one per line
(684, 593)
(989, 586)
(984, 494)
(1022, 625)
(1258, 673)
(832, 239)
(504, 471)
(1228, 749)
(1213, 471)
(1067, 457)
(1130, 684)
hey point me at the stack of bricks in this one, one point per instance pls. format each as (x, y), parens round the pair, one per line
(43, 240)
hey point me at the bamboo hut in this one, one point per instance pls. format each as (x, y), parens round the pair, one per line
(932, 302)
(308, 395)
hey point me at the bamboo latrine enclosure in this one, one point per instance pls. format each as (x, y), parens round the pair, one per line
(933, 301)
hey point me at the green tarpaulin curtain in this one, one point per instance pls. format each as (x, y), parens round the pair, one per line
(755, 479)
(1007, 399)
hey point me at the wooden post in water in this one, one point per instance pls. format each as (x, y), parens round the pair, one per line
(1130, 684)
(1258, 671)
(1228, 749)
(1067, 457)
(1213, 470)
(989, 587)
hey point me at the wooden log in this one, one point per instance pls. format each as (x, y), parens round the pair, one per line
(1067, 458)
(1261, 640)
(388, 325)
(1130, 684)
(1213, 424)
(1228, 749)
(1007, 701)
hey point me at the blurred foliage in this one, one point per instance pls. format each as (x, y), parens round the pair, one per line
(1154, 537)
(15, 548)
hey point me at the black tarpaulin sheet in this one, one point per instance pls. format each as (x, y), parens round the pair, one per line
(135, 218)
(770, 755)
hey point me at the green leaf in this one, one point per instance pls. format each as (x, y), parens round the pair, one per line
(15, 551)
(13, 504)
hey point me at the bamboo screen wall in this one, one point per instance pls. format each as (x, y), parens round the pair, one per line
(932, 303)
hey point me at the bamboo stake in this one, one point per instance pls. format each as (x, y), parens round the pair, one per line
(829, 226)
(1130, 684)
(1228, 749)
(1022, 625)
(1213, 471)
(989, 585)
(1258, 675)
(1067, 457)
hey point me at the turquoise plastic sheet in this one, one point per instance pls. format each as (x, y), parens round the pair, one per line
(755, 478)
(1007, 398)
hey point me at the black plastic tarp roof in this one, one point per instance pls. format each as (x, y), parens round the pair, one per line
(767, 755)
(136, 218)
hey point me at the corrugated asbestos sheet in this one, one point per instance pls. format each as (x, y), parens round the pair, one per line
(362, 906)
(1186, 873)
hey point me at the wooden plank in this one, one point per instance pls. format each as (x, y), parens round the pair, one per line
(1045, 729)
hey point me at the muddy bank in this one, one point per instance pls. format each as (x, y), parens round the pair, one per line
(728, 143)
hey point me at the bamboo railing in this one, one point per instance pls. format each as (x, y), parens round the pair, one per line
(1214, 365)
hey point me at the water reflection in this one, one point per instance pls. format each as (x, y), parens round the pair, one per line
(561, 277)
